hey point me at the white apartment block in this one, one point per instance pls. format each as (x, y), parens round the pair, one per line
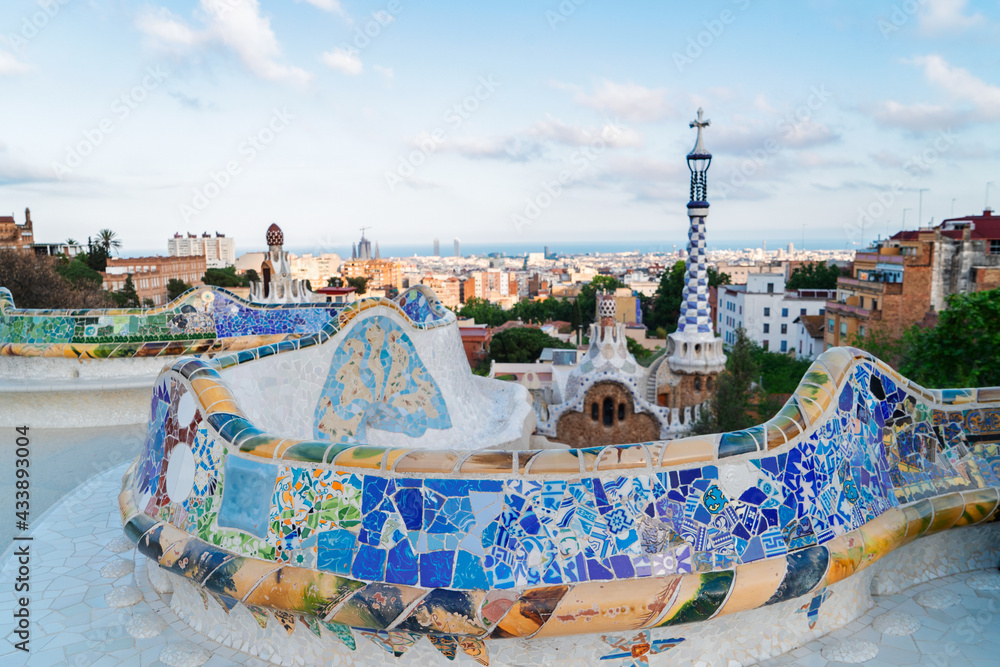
(766, 311)
(314, 268)
(219, 250)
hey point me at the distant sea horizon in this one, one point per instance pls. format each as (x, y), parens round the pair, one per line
(520, 249)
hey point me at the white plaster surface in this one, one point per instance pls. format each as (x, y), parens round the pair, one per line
(280, 393)
(72, 624)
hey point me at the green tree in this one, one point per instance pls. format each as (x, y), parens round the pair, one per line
(109, 241)
(96, 256)
(335, 281)
(176, 287)
(962, 350)
(126, 297)
(522, 345)
(881, 343)
(664, 308)
(641, 354)
(814, 275)
(576, 321)
(735, 398)
(587, 298)
(484, 312)
(251, 276)
(78, 273)
(148, 303)
(359, 283)
(35, 282)
(779, 373)
(226, 277)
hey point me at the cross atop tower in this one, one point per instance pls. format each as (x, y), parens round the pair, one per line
(700, 123)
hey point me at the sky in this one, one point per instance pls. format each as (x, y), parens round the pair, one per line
(495, 121)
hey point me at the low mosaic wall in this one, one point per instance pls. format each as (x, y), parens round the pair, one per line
(203, 320)
(467, 547)
(97, 367)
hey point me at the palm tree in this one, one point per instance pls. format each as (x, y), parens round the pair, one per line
(108, 240)
(71, 242)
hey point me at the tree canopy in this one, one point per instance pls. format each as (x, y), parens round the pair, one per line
(664, 308)
(226, 277)
(814, 275)
(176, 287)
(35, 282)
(962, 350)
(735, 400)
(522, 345)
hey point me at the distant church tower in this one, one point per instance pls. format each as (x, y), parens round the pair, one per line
(276, 283)
(694, 354)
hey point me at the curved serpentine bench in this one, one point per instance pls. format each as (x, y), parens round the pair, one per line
(465, 547)
(95, 367)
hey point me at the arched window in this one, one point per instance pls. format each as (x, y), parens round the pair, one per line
(697, 384)
(609, 411)
(708, 383)
(621, 412)
(593, 411)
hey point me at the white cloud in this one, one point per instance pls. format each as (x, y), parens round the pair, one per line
(510, 149)
(9, 64)
(326, 5)
(236, 24)
(940, 16)
(530, 143)
(629, 101)
(960, 84)
(614, 136)
(973, 99)
(344, 60)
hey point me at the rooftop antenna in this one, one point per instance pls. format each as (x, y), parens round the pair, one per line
(920, 211)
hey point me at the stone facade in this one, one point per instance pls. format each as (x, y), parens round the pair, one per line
(911, 275)
(609, 418)
(14, 236)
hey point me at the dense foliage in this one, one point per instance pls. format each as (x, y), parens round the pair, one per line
(522, 345)
(736, 398)
(664, 308)
(359, 283)
(126, 297)
(35, 282)
(176, 287)
(814, 275)
(962, 350)
(779, 373)
(226, 277)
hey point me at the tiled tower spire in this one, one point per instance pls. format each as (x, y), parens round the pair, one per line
(696, 314)
(694, 346)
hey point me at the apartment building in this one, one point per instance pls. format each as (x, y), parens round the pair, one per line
(900, 281)
(150, 275)
(766, 310)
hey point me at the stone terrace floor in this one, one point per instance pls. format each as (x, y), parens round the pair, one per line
(84, 601)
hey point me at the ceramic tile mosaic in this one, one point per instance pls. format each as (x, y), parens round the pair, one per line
(77, 541)
(389, 541)
(201, 320)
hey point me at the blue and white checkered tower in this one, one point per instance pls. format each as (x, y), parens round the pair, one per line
(694, 347)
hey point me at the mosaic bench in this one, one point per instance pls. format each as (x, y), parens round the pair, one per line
(297, 515)
(95, 367)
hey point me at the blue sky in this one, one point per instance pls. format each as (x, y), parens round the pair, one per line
(508, 122)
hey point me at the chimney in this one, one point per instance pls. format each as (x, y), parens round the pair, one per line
(988, 212)
(27, 218)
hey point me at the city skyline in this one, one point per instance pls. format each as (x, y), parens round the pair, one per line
(231, 114)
